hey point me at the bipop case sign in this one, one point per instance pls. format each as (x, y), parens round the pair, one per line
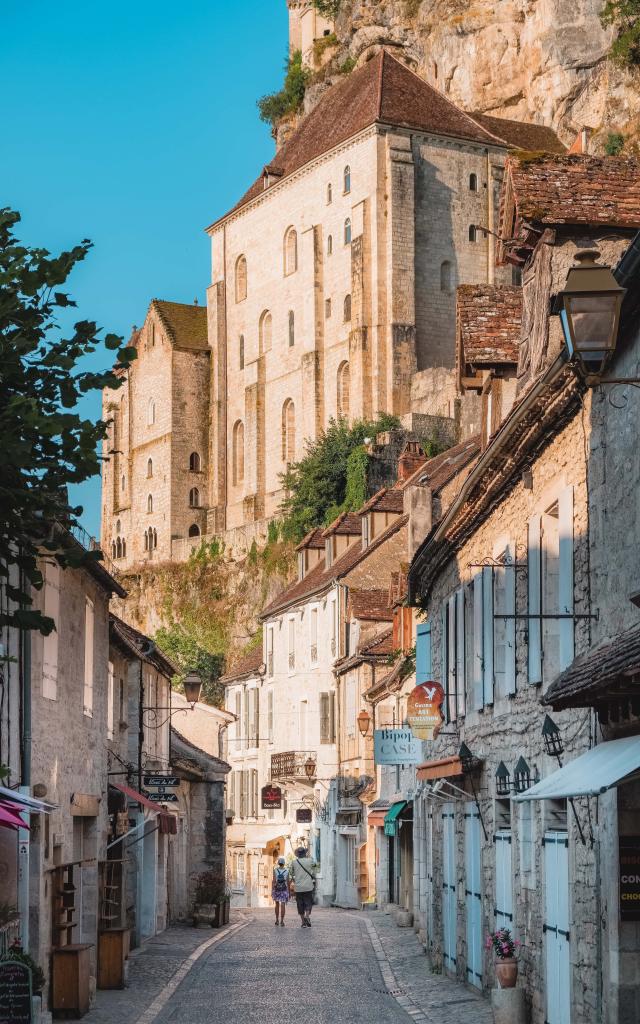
(424, 710)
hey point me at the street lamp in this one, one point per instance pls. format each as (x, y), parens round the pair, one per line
(522, 776)
(552, 738)
(192, 687)
(503, 780)
(310, 768)
(364, 722)
(589, 310)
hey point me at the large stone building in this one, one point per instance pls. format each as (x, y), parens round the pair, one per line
(333, 285)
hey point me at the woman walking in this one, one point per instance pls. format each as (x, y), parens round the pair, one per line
(280, 890)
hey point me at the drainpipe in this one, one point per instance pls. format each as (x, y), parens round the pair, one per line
(25, 787)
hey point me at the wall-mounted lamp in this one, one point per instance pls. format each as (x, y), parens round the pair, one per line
(552, 739)
(310, 768)
(522, 779)
(589, 308)
(192, 687)
(503, 780)
(364, 722)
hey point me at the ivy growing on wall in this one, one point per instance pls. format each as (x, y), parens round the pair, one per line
(625, 16)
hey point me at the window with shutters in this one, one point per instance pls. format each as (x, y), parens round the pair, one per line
(245, 720)
(333, 633)
(270, 716)
(453, 673)
(504, 629)
(254, 792)
(238, 724)
(423, 653)
(313, 636)
(550, 584)
(270, 651)
(327, 717)
(526, 844)
(110, 699)
(244, 793)
(292, 645)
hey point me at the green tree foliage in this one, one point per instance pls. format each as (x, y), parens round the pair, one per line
(289, 99)
(316, 487)
(328, 8)
(614, 144)
(186, 653)
(46, 446)
(625, 15)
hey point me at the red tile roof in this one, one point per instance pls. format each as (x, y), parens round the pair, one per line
(380, 646)
(521, 134)
(371, 605)
(441, 469)
(313, 539)
(382, 91)
(246, 665)
(605, 670)
(387, 499)
(347, 524)
(488, 323)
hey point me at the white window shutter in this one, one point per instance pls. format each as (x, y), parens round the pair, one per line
(451, 632)
(533, 577)
(444, 652)
(487, 617)
(460, 651)
(478, 648)
(510, 624)
(565, 517)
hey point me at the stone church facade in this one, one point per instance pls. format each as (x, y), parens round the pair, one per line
(333, 284)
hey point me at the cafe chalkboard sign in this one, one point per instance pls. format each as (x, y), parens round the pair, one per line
(15, 992)
(630, 878)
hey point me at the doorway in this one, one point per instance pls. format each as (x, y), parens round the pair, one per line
(556, 927)
(473, 893)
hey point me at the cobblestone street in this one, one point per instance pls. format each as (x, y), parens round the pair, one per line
(348, 967)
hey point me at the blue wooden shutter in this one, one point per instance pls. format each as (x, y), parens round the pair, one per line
(423, 652)
(510, 624)
(478, 647)
(444, 650)
(534, 567)
(460, 678)
(487, 616)
(565, 603)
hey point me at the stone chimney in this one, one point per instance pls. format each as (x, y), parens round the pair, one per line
(411, 458)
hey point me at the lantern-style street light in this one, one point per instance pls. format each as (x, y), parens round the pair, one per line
(192, 687)
(589, 308)
(552, 739)
(364, 722)
(503, 780)
(521, 776)
(310, 768)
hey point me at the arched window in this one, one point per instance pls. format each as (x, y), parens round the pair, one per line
(194, 498)
(118, 548)
(292, 329)
(113, 549)
(288, 431)
(118, 526)
(329, 245)
(445, 277)
(473, 182)
(343, 391)
(238, 453)
(347, 309)
(347, 231)
(329, 194)
(194, 530)
(473, 234)
(155, 539)
(327, 308)
(122, 483)
(347, 179)
(265, 332)
(124, 548)
(241, 352)
(146, 540)
(241, 278)
(150, 503)
(149, 468)
(194, 462)
(151, 412)
(290, 251)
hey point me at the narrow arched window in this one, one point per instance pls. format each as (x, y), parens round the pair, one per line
(347, 309)
(194, 462)
(194, 530)
(146, 540)
(194, 498)
(113, 549)
(347, 231)
(118, 526)
(329, 194)
(238, 453)
(445, 277)
(155, 539)
(124, 548)
(473, 234)
(151, 413)
(241, 278)
(122, 483)
(347, 179)
(343, 391)
(473, 182)
(241, 352)
(329, 245)
(288, 431)
(292, 329)
(149, 468)
(327, 308)
(149, 503)
(265, 332)
(290, 251)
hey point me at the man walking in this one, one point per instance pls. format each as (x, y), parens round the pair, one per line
(303, 875)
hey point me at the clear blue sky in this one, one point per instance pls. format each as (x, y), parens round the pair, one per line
(133, 123)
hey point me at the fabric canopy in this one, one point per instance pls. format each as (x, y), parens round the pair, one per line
(391, 817)
(590, 774)
(30, 802)
(11, 819)
(376, 818)
(137, 797)
(445, 768)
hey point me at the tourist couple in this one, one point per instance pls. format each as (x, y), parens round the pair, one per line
(300, 878)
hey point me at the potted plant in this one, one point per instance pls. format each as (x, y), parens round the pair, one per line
(505, 948)
(211, 903)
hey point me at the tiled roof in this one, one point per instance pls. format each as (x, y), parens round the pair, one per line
(521, 134)
(247, 665)
(488, 323)
(185, 325)
(140, 646)
(371, 605)
(387, 499)
(347, 524)
(320, 578)
(382, 91)
(597, 672)
(441, 469)
(380, 646)
(313, 539)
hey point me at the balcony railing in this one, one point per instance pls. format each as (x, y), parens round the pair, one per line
(8, 934)
(294, 764)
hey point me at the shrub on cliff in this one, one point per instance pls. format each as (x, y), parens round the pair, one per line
(625, 15)
(289, 99)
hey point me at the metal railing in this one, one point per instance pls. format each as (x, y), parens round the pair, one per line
(294, 764)
(90, 543)
(8, 934)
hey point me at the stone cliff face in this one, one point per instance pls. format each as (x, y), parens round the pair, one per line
(538, 60)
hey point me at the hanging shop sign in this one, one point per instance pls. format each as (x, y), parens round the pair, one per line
(271, 798)
(162, 781)
(396, 746)
(424, 710)
(303, 815)
(159, 796)
(630, 878)
(15, 992)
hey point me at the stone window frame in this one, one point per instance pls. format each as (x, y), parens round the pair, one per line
(237, 455)
(194, 531)
(151, 412)
(265, 333)
(292, 328)
(347, 231)
(346, 180)
(327, 309)
(446, 277)
(346, 309)
(290, 251)
(149, 503)
(288, 431)
(241, 352)
(241, 278)
(473, 234)
(329, 245)
(149, 469)
(343, 390)
(195, 462)
(194, 497)
(473, 182)
(329, 194)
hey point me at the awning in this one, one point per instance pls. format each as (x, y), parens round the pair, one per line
(445, 768)
(138, 798)
(590, 774)
(391, 817)
(11, 819)
(28, 802)
(376, 818)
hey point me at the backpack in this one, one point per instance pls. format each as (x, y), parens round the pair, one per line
(281, 880)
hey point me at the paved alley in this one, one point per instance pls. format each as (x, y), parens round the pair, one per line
(349, 967)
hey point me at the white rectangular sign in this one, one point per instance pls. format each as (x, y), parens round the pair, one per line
(396, 746)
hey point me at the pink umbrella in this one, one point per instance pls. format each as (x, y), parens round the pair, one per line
(9, 819)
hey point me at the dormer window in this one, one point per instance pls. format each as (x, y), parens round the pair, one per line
(328, 552)
(365, 532)
(300, 565)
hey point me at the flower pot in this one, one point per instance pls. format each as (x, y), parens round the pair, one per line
(507, 972)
